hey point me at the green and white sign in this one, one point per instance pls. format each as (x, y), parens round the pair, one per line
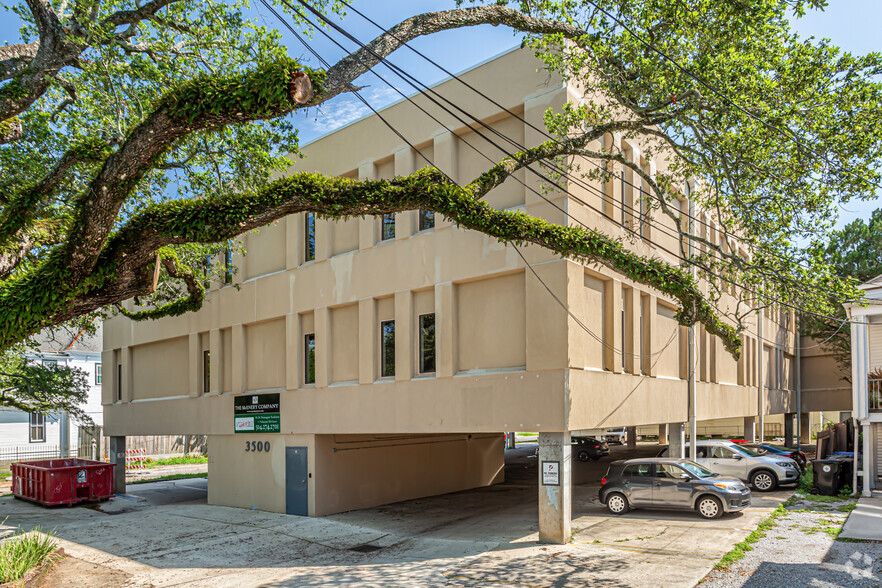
(257, 413)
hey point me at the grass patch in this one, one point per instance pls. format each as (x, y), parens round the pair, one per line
(168, 477)
(21, 552)
(178, 460)
(847, 507)
(806, 481)
(741, 549)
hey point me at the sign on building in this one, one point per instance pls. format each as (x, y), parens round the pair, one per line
(256, 413)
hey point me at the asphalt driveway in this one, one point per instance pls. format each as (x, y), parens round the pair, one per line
(169, 536)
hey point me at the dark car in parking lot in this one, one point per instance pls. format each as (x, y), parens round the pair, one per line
(794, 454)
(586, 448)
(671, 483)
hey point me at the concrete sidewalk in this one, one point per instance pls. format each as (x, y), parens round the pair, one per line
(865, 522)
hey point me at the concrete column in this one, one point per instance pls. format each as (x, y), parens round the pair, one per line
(237, 349)
(404, 221)
(322, 347)
(868, 462)
(663, 434)
(118, 457)
(323, 239)
(631, 435)
(367, 341)
(445, 159)
(555, 487)
(445, 325)
(677, 440)
(293, 356)
(195, 366)
(404, 335)
(367, 226)
(788, 429)
(294, 241)
(216, 348)
(750, 429)
(536, 105)
(612, 335)
(805, 428)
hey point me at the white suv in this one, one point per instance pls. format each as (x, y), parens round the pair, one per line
(764, 471)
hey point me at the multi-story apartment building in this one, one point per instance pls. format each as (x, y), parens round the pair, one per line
(396, 350)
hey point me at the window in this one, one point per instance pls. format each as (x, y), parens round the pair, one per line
(387, 345)
(637, 470)
(717, 452)
(625, 333)
(388, 227)
(119, 381)
(427, 220)
(309, 359)
(37, 428)
(427, 343)
(624, 199)
(97, 373)
(667, 470)
(309, 236)
(206, 371)
(228, 263)
(206, 271)
(50, 363)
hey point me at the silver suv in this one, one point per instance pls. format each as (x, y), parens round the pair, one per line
(763, 471)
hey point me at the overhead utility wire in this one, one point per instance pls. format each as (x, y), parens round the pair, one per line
(788, 134)
(633, 211)
(327, 65)
(409, 99)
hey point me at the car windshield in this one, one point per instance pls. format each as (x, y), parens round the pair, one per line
(696, 470)
(748, 450)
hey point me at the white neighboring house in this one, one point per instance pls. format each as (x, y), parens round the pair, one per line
(866, 379)
(30, 435)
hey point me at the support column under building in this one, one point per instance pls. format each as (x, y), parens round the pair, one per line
(663, 434)
(677, 440)
(555, 487)
(118, 457)
(788, 429)
(750, 429)
(805, 428)
(867, 461)
(631, 434)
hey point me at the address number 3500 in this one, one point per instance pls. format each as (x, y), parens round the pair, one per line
(257, 446)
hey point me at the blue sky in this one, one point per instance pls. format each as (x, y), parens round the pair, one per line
(851, 24)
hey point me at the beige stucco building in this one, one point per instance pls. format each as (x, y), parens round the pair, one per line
(480, 346)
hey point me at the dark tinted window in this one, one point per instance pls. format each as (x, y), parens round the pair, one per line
(637, 469)
(668, 470)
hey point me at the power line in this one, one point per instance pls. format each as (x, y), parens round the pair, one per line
(556, 298)
(624, 207)
(395, 70)
(789, 135)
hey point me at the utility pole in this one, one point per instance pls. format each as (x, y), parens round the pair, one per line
(690, 355)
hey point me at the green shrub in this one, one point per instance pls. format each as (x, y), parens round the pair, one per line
(177, 460)
(22, 552)
(806, 480)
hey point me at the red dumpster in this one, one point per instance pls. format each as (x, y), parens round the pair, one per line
(62, 481)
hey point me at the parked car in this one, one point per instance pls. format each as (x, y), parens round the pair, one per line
(616, 435)
(587, 448)
(763, 471)
(794, 454)
(671, 483)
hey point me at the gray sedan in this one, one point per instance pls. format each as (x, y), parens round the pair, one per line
(671, 483)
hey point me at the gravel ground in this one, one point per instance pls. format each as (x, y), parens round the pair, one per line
(800, 550)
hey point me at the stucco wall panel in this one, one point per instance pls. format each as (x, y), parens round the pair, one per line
(492, 323)
(265, 355)
(160, 369)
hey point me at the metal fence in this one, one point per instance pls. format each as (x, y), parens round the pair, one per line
(26, 453)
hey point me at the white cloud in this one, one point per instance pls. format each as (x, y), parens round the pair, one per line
(343, 110)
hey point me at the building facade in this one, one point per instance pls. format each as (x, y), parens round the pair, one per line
(402, 347)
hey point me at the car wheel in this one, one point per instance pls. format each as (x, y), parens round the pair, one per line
(583, 456)
(710, 507)
(764, 480)
(617, 503)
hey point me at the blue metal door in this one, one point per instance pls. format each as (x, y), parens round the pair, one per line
(296, 481)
